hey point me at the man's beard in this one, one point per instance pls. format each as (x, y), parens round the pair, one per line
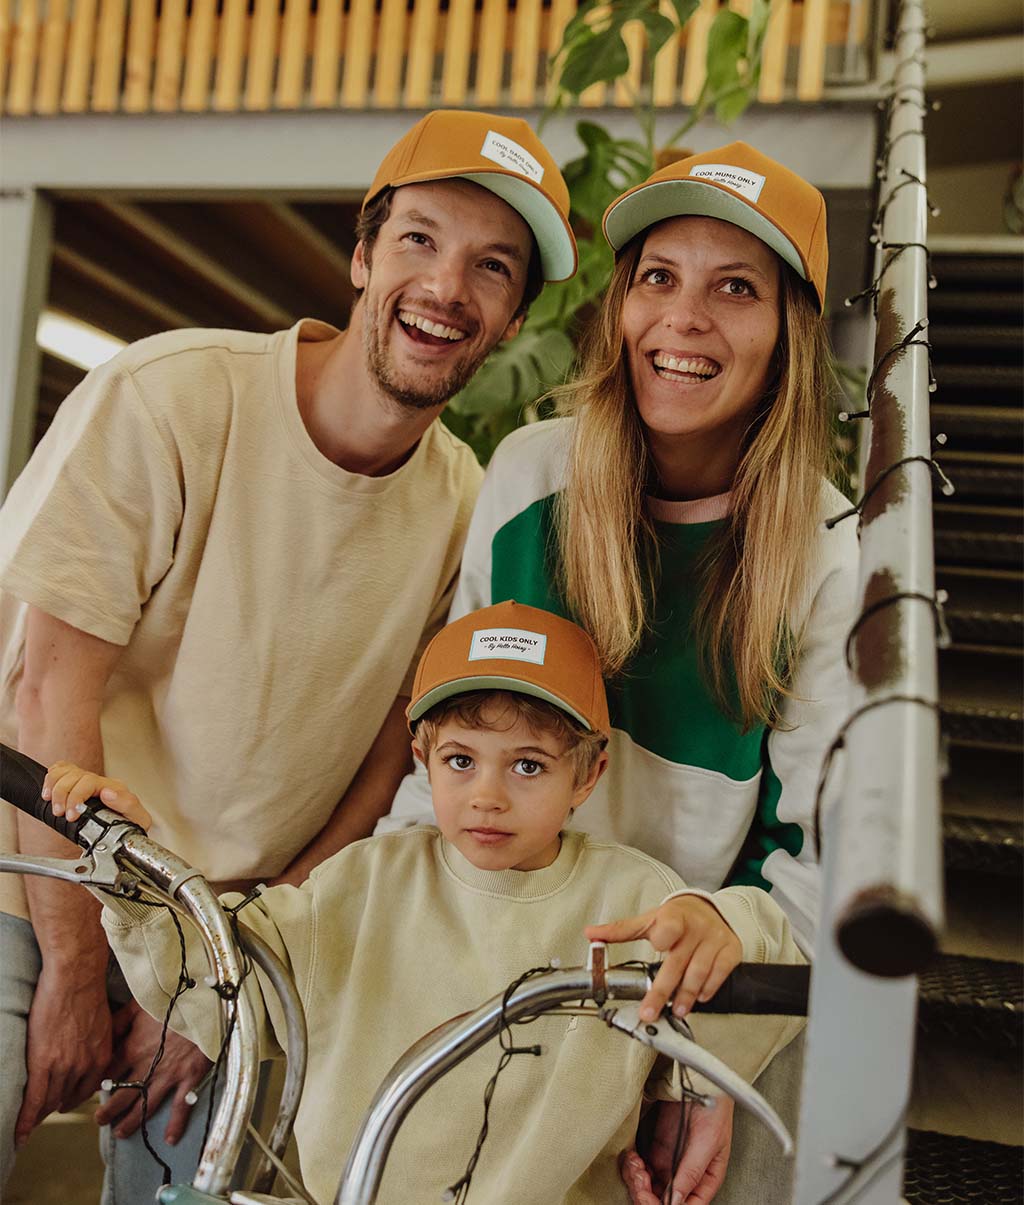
(424, 396)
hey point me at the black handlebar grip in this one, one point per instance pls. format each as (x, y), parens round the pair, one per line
(21, 781)
(767, 989)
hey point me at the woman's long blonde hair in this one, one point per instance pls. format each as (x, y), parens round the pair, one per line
(756, 569)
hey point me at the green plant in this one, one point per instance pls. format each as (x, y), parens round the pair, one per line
(510, 388)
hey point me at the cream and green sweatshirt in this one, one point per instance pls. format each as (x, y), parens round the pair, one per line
(396, 934)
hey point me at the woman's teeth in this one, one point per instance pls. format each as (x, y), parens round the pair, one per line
(690, 366)
(437, 329)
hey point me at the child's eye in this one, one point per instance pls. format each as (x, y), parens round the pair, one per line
(459, 761)
(528, 767)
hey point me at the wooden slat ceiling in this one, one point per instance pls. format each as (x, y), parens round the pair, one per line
(133, 267)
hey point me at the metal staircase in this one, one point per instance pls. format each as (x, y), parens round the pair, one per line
(971, 1008)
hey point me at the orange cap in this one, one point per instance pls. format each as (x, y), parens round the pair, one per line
(501, 154)
(514, 647)
(736, 184)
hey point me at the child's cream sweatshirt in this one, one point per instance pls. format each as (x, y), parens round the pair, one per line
(396, 934)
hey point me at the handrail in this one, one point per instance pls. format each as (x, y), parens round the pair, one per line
(73, 56)
(881, 850)
(887, 833)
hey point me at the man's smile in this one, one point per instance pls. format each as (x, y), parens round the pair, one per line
(436, 332)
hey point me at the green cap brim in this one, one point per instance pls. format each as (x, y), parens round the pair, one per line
(693, 198)
(462, 686)
(554, 241)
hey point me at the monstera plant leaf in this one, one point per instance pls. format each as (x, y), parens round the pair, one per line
(519, 370)
(607, 168)
(506, 390)
(593, 49)
(560, 304)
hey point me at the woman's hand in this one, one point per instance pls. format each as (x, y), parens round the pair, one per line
(699, 951)
(68, 786)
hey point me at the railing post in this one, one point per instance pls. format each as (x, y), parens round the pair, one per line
(26, 235)
(882, 908)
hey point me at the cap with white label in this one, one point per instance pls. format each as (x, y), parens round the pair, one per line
(511, 646)
(501, 154)
(736, 184)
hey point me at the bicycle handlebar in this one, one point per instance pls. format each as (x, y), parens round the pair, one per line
(21, 784)
(21, 780)
(762, 989)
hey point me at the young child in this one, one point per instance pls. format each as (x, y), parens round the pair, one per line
(395, 934)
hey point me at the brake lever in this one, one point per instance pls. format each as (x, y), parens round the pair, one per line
(97, 867)
(660, 1035)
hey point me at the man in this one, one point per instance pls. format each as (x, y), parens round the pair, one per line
(231, 549)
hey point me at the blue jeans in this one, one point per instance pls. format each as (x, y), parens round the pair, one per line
(132, 1177)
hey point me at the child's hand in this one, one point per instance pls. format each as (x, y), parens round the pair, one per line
(698, 946)
(68, 786)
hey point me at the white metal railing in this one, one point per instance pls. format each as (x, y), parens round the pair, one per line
(882, 910)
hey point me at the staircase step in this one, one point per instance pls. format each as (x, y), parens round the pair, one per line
(961, 305)
(980, 695)
(994, 343)
(984, 846)
(976, 1001)
(979, 272)
(980, 548)
(978, 379)
(984, 917)
(945, 1169)
(1002, 423)
(984, 783)
(1004, 628)
(984, 475)
(978, 535)
(983, 606)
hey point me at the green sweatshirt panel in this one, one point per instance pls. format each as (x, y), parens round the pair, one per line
(767, 833)
(661, 701)
(520, 560)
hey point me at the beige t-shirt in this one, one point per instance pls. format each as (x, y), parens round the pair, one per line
(271, 605)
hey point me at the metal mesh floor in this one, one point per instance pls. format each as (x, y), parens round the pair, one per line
(975, 1000)
(944, 1170)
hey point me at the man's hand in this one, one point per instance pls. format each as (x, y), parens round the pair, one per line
(69, 1042)
(699, 950)
(704, 1162)
(137, 1036)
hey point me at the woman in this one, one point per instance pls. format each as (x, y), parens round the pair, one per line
(678, 515)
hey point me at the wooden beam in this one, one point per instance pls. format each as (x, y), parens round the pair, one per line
(83, 297)
(141, 276)
(313, 260)
(129, 292)
(211, 252)
(336, 221)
